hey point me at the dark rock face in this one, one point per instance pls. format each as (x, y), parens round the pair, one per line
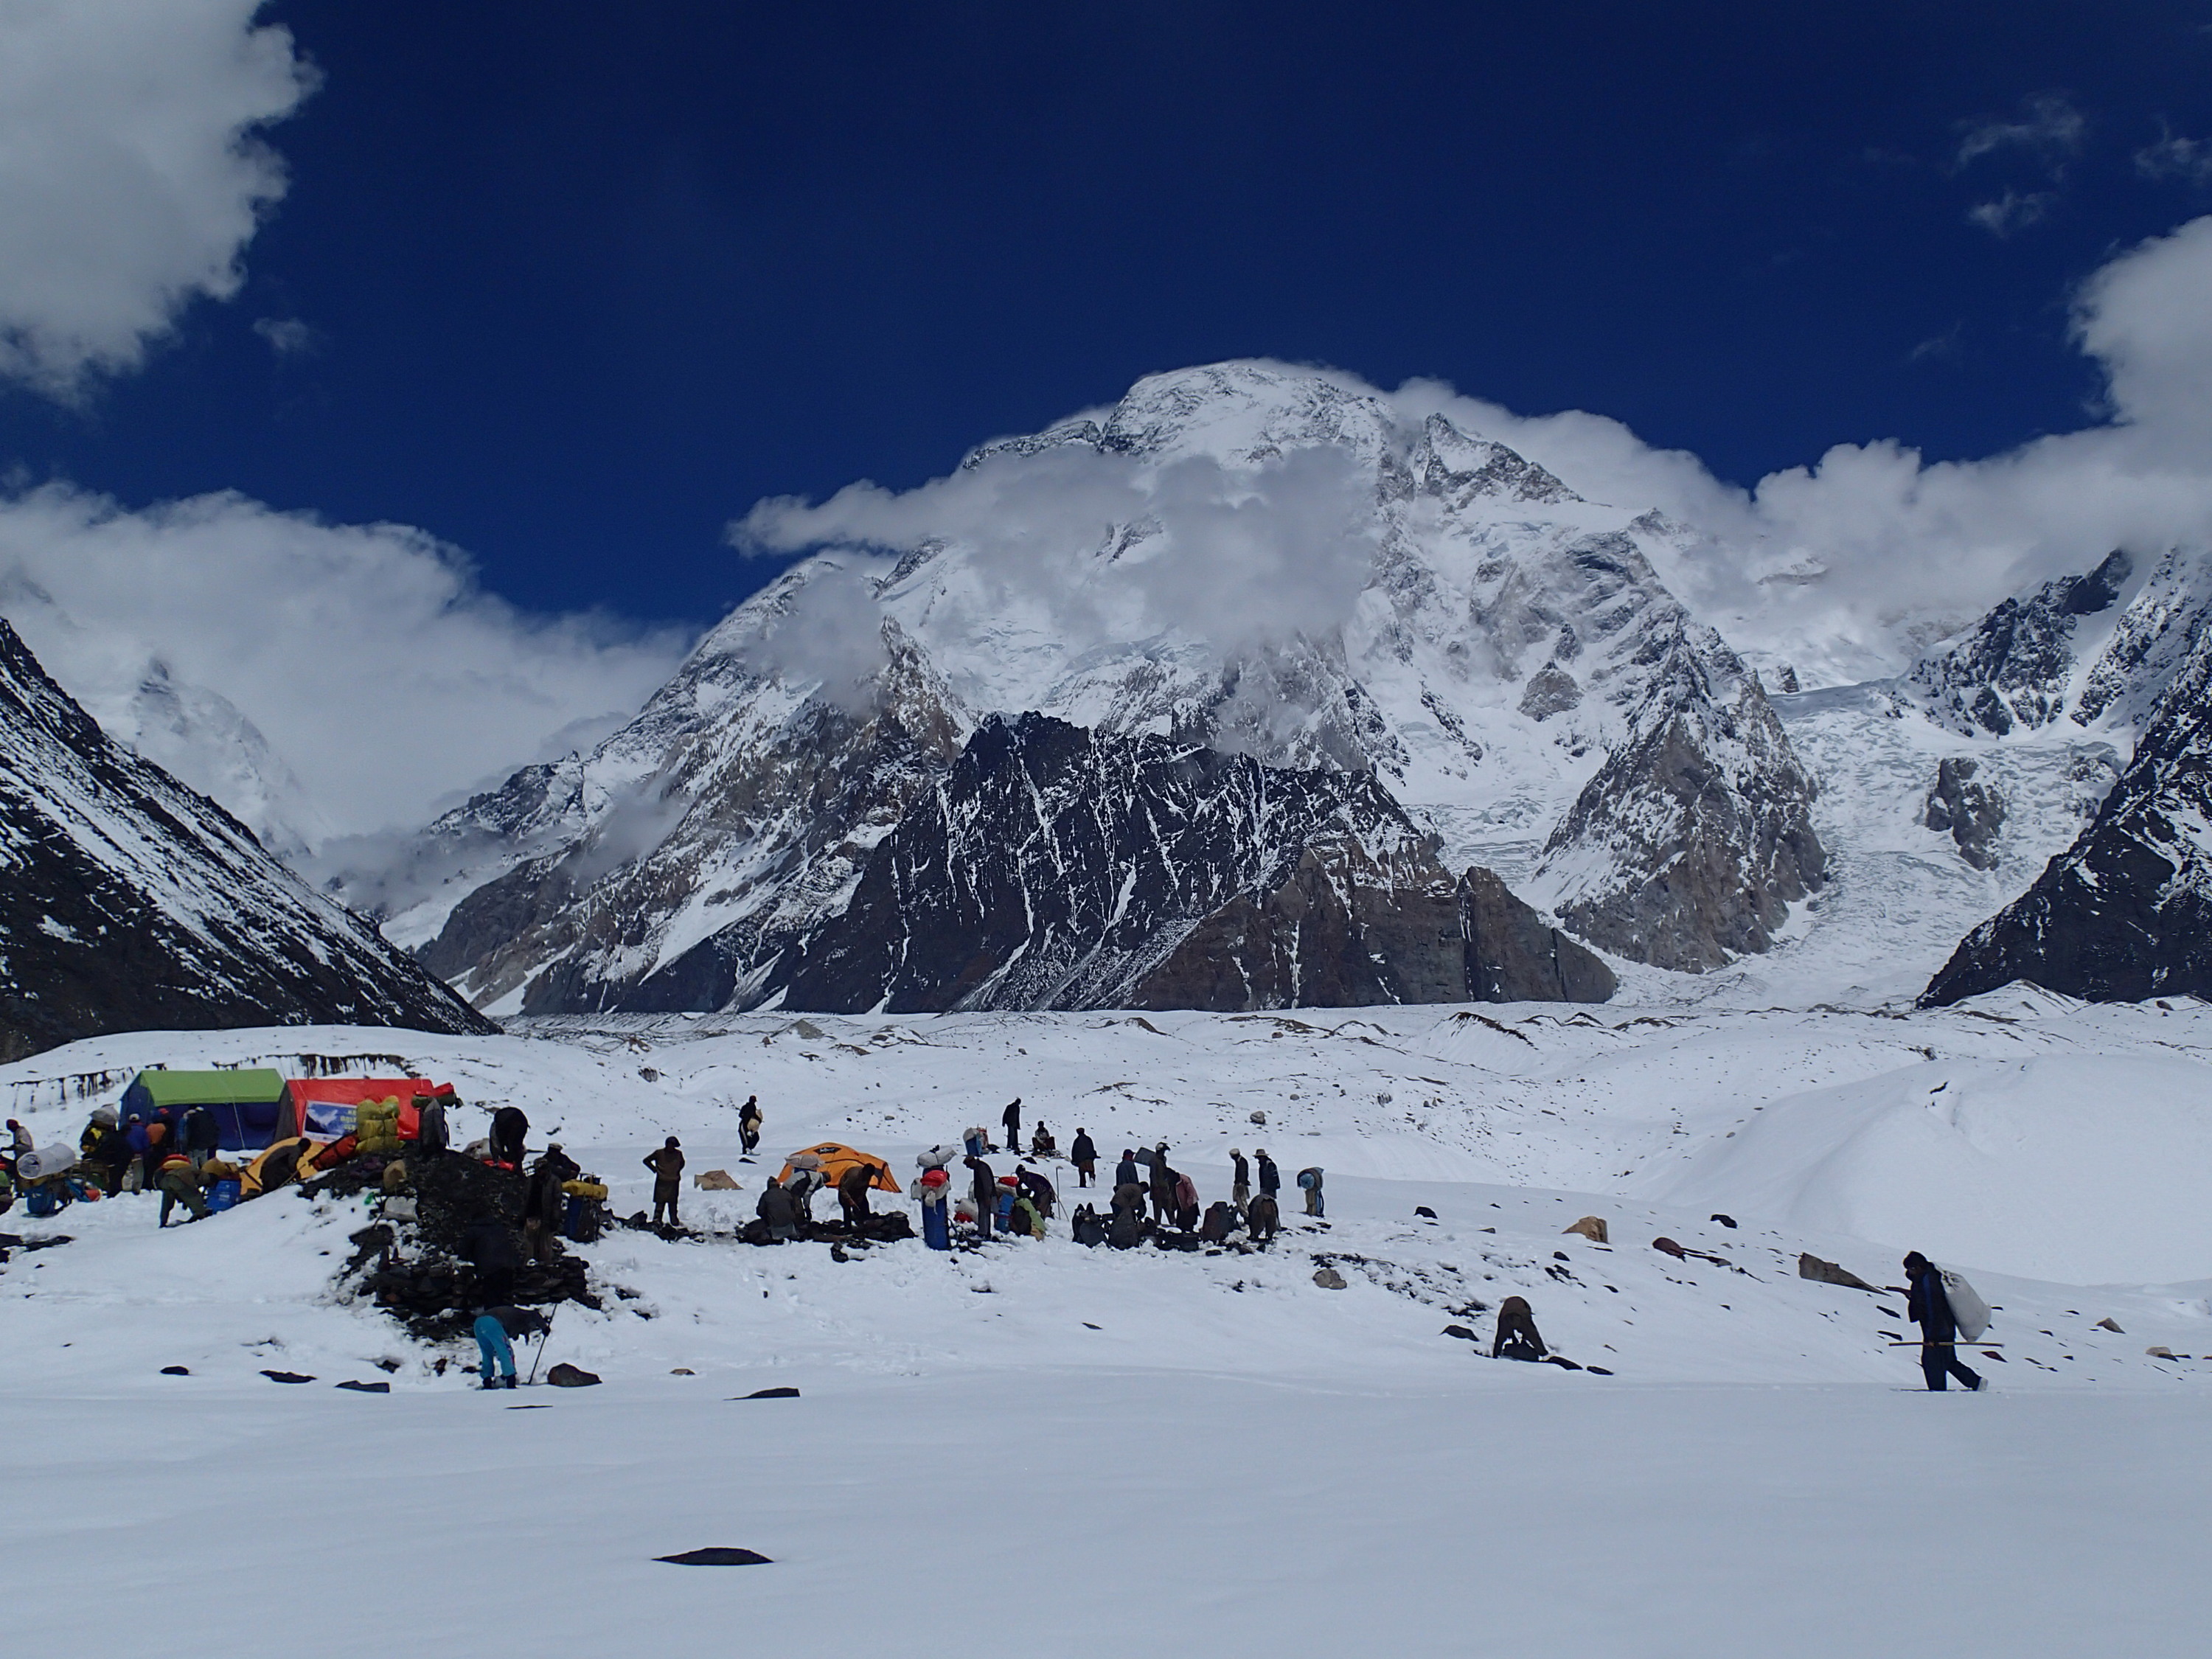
(1973, 812)
(128, 902)
(2013, 669)
(1697, 833)
(1513, 955)
(2126, 912)
(1060, 868)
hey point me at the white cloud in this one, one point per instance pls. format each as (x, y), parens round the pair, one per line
(2013, 211)
(130, 179)
(1854, 561)
(2174, 156)
(378, 672)
(288, 336)
(1122, 551)
(2049, 126)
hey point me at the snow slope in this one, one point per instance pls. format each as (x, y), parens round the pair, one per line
(1090, 1442)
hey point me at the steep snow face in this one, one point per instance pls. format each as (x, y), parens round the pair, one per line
(1266, 562)
(2126, 912)
(1059, 868)
(194, 734)
(127, 901)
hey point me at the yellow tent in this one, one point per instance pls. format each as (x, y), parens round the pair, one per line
(837, 1158)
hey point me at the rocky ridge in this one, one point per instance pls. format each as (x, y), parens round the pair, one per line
(1508, 647)
(131, 902)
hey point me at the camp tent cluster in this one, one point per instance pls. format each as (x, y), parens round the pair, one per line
(255, 1110)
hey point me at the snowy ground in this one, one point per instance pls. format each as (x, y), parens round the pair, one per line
(1190, 1451)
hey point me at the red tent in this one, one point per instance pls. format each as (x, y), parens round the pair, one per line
(321, 1107)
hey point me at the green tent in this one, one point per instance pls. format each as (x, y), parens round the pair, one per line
(249, 1106)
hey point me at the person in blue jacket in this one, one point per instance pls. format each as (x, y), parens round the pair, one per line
(1939, 1331)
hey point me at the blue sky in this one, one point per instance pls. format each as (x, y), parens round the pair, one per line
(571, 286)
(476, 326)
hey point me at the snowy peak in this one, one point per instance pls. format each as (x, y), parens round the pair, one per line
(132, 902)
(2019, 665)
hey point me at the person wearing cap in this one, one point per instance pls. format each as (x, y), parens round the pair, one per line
(1164, 1187)
(1270, 1178)
(935, 1188)
(1931, 1309)
(102, 1146)
(748, 1124)
(667, 1166)
(19, 1137)
(1240, 1182)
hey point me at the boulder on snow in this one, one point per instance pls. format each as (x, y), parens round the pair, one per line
(1329, 1280)
(1591, 1227)
(715, 1181)
(565, 1375)
(2107, 1324)
(1828, 1272)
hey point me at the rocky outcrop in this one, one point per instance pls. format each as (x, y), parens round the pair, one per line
(1059, 868)
(1971, 812)
(2126, 912)
(2015, 668)
(128, 902)
(1512, 955)
(1695, 836)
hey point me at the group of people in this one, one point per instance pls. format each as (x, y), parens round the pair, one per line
(168, 1151)
(787, 1206)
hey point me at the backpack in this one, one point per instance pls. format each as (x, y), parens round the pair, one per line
(1127, 1231)
(1219, 1218)
(1307, 1180)
(1089, 1229)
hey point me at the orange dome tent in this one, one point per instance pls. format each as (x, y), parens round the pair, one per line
(836, 1159)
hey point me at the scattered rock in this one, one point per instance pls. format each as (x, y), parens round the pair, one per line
(1828, 1272)
(683, 1371)
(1461, 1332)
(1423, 1209)
(716, 1557)
(1329, 1280)
(176, 1370)
(715, 1181)
(287, 1376)
(1973, 812)
(772, 1394)
(565, 1375)
(2106, 1324)
(1591, 1227)
(1259, 1117)
(1726, 1221)
(2158, 1351)
(367, 1388)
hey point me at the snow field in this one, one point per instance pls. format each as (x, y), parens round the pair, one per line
(1106, 1448)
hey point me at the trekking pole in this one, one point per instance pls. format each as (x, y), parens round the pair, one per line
(543, 1337)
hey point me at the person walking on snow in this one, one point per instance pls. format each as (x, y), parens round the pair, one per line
(748, 1124)
(1939, 1330)
(1240, 1182)
(495, 1328)
(1083, 1153)
(1011, 1117)
(668, 1167)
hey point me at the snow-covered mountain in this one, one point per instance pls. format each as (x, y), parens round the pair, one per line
(1057, 868)
(1244, 558)
(2126, 911)
(130, 901)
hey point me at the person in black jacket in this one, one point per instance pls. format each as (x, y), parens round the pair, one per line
(1083, 1154)
(1011, 1117)
(1127, 1172)
(1270, 1178)
(1939, 1331)
(749, 1118)
(509, 1128)
(1516, 1337)
(1240, 1182)
(777, 1209)
(667, 1166)
(490, 1246)
(985, 1192)
(202, 1139)
(544, 1205)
